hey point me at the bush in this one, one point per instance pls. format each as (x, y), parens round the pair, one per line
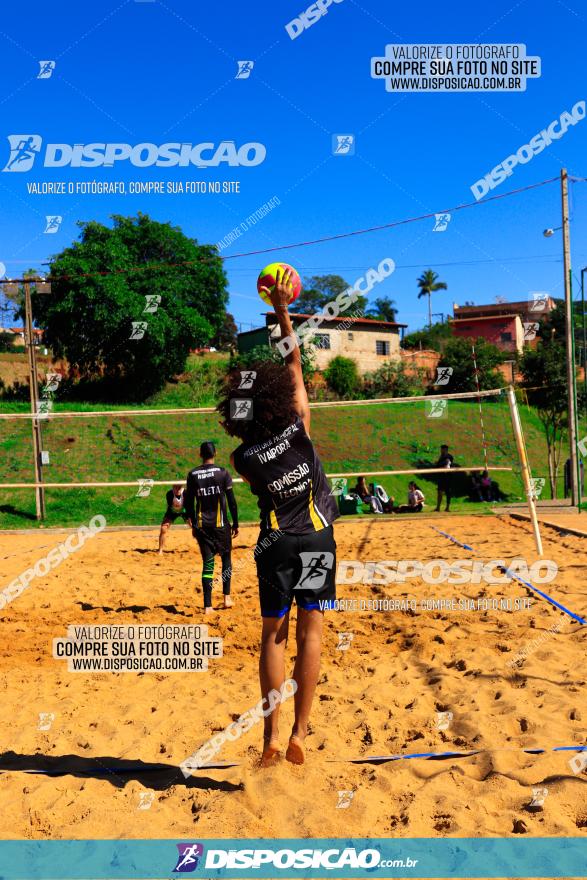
(16, 391)
(342, 377)
(5, 341)
(390, 380)
(243, 360)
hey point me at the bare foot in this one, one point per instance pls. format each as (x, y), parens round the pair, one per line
(271, 752)
(208, 609)
(295, 750)
(159, 552)
(228, 603)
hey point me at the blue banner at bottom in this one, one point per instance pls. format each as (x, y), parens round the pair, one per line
(380, 858)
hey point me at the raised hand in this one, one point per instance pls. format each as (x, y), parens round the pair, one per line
(280, 296)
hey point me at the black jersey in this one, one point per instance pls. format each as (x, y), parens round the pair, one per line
(205, 495)
(445, 460)
(287, 476)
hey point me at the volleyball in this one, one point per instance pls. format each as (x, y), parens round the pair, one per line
(267, 279)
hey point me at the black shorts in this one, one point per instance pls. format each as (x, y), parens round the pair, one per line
(300, 566)
(213, 540)
(171, 515)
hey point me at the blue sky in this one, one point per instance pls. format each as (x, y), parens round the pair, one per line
(155, 72)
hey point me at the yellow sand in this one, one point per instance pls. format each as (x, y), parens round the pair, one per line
(382, 696)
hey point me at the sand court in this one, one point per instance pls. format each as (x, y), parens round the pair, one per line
(402, 676)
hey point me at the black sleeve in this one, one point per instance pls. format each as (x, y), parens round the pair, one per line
(189, 496)
(169, 497)
(232, 506)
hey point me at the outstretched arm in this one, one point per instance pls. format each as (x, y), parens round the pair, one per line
(280, 300)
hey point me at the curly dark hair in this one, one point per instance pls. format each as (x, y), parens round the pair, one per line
(272, 396)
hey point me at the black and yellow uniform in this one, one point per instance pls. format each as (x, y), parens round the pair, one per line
(287, 476)
(208, 489)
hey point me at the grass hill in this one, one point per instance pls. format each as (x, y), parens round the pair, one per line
(349, 438)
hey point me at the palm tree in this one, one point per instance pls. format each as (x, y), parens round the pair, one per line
(428, 284)
(384, 309)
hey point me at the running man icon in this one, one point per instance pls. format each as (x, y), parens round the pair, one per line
(315, 567)
(24, 148)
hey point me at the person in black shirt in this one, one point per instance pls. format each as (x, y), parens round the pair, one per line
(175, 508)
(208, 489)
(445, 460)
(296, 552)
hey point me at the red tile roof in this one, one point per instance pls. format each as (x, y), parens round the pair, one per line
(341, 318)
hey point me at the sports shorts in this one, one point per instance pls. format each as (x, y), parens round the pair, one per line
(296, 566)
(213, 540)
(171, 515)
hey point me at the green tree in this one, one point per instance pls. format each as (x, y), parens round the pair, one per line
(318, 290)
(342, 377)
(435, 337)
(383, 309)
(428, 284)
(545, 375)
(226, 338)
(99, 287)
(457, 355)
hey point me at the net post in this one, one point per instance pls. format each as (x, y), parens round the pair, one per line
(34, 395)
(524, 465)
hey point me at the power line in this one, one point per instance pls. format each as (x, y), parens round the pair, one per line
(539, 257)
(395, 223)
(336, 237)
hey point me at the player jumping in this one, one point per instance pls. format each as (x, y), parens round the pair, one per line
(208, 489)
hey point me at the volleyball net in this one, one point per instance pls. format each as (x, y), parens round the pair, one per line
(120, 453)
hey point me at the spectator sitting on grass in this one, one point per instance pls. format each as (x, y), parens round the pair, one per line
(364, 493)
(486, 486)
(415, 500)
(476, 487)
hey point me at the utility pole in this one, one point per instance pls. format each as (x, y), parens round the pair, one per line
(584, 331)
(569, 334)
(34, 394)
